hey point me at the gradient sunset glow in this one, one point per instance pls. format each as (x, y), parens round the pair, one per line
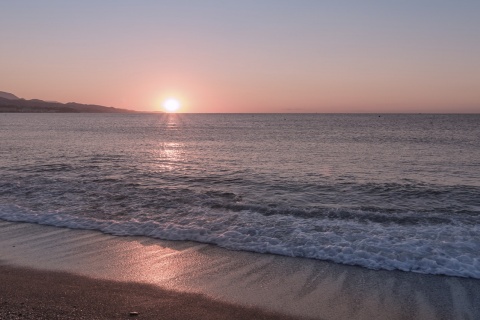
(246, 56)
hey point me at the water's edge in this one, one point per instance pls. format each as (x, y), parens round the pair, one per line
(339, 255)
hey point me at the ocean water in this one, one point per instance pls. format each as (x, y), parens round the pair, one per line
(378, 191)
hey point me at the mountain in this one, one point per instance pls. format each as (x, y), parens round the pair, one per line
(9, 104)
(7, 95)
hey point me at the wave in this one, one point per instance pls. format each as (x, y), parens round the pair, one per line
(429, 246)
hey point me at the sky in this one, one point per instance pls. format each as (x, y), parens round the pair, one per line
(245, 56)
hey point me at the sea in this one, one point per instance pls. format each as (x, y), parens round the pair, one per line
(380, 191)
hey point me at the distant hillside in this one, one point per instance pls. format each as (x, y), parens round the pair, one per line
(39, 106)
(7, 95)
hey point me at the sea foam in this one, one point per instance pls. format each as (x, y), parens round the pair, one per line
(430, 249)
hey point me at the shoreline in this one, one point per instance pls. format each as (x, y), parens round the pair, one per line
(293, 287)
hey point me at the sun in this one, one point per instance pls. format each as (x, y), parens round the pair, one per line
(171, 105)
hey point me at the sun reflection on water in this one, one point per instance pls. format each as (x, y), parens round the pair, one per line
(167, 154)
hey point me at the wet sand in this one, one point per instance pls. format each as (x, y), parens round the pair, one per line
(289, 286)
(33, 294)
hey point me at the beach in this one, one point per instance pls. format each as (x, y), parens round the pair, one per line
(33, 294)
(47, 269)
(240, 160)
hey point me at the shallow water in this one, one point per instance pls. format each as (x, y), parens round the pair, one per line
(383, 192)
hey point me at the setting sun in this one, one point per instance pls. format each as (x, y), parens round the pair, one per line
(171, 105)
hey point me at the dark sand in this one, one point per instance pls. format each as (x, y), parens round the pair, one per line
(32, 294)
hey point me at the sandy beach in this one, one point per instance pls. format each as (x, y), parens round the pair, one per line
(51, 270)
(33, 294)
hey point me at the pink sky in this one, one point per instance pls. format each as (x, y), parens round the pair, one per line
(245, 56)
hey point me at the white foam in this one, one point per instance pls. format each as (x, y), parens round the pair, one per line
(431, 249)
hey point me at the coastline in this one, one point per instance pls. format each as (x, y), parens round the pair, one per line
(289, 286)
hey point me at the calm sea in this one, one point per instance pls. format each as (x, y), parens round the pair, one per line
(378, 191)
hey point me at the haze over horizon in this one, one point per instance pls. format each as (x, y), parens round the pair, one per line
(248, 56)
